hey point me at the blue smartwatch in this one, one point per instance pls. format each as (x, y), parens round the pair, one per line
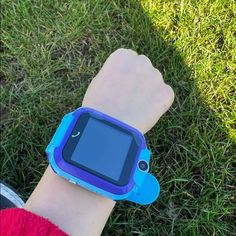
(103, 155)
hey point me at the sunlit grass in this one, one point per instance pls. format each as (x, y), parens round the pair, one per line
(204, 35)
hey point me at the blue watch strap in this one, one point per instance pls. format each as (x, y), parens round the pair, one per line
(147, 193)
(60, 132)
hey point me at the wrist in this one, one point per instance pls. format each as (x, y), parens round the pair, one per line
(123, 116)
(69, 206)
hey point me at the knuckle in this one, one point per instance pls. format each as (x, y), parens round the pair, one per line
(170, 91)
(121, 50)
(125, 51)
(158, 75)
(145, 60)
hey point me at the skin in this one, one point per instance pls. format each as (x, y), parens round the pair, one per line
(130, 89)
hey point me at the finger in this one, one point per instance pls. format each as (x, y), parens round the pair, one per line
(166, 96)
(122, 52)
(157, 76)
(144, 61)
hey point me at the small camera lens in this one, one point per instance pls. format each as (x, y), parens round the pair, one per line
(143, 165)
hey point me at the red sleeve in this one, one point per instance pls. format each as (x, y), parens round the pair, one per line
(17, 221)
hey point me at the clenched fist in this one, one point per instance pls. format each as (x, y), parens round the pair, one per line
(130, 89)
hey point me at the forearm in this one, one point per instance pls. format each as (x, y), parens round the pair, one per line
(74, 209)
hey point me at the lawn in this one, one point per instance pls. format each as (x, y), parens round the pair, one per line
(50, 51)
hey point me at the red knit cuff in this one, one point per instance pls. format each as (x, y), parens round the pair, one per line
(17, 221)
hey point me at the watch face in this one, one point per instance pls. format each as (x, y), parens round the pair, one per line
(102, 148)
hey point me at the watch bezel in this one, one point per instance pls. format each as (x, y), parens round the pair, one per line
(89, 176)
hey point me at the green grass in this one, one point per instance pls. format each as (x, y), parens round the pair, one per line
(50, 51)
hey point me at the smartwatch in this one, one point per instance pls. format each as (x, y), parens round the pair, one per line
(103, 155)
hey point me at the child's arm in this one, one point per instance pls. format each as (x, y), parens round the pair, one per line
(130, 89)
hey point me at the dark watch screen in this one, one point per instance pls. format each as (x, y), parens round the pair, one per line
(101, 148)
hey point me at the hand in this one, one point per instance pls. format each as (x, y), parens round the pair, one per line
(130, 89)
